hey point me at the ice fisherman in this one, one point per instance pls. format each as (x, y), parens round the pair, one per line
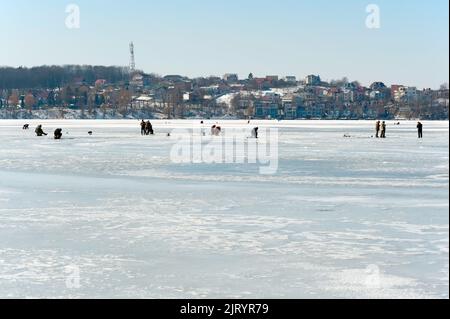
(378, 128)
(420, 129)
(58, 134)
(383, 129)
(143, 128)
(39, 131)
(149, 129)
(216, 130)
(255, 132)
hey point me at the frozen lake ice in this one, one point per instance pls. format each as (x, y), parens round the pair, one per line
(111, 216)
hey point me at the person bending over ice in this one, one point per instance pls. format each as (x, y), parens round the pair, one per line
(39, 131)
(58, 134)
(216, 130)
(149, 129)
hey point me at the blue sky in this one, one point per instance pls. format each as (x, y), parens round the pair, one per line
(213, 37)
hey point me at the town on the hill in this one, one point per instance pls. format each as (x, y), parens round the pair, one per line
(88, 92)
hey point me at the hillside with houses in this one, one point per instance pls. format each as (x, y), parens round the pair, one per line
(87, 92)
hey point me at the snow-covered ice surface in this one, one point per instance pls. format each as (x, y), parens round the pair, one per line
(343, 217)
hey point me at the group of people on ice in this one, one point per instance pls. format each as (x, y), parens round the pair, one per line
(40, 131)
(147, 128)
(381, 127)
(216, 130)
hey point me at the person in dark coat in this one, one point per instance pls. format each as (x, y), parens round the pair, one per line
(149, 128)
(378, 128)
(58, 134)
(383, 130)
(143, 125)
(420, 129)
(39, 131)
(255, 132)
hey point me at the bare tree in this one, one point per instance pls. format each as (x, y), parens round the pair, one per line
(91, 101)
(14, 99)
(234, 104)
(124, 101)
(29, 102)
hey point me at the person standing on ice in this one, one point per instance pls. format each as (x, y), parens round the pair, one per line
(383, 130)
(39, 131)
(143, 128)
(420, 129)
(255, 132)
(378, 128)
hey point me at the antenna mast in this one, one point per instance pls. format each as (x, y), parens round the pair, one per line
(132, 60)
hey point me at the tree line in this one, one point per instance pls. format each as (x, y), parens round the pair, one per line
(58, 76)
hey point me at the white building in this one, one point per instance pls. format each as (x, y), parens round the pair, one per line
(231, 77)
(406, 93)
(313, 80)
(137, 80)
(142, 101)
(291, 79)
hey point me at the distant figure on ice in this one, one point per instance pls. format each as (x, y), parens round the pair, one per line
(420, 129)
(90, 133)
(255, 132)
(143, 128)
(216, 130)
(149, 129)
(383, 130)
(26, 127)
(39, 131)
(203, 131)
(58, 134)
(378, 128)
